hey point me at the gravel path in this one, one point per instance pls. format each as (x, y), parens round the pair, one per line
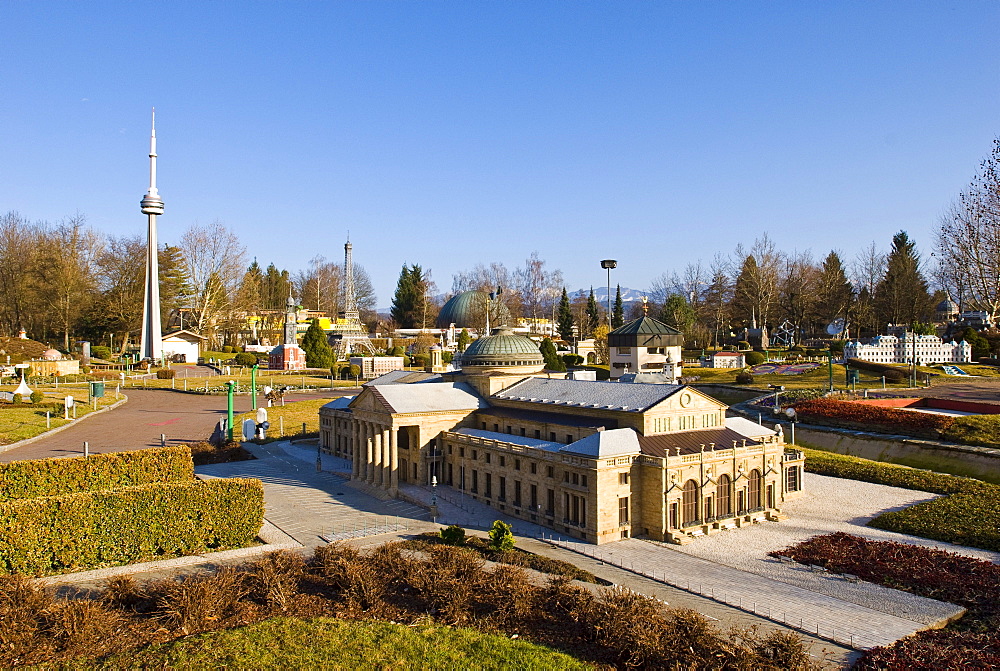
(829, 505)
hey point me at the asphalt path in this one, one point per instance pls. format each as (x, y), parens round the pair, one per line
(137, 424)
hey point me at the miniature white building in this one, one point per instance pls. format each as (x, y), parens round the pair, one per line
(373, 366)
(724, 360)
(892, 349)
(646, 345)
(182, 346)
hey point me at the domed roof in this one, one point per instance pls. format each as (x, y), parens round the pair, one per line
(465, 310)
(947, 306)
(52, 355)
(502, 349)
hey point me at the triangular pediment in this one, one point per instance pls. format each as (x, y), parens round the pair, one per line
(370, 400)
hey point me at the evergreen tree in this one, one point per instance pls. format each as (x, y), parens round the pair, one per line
(463, 340)
(902, 297)
(552, 360)
(408, 301)
(316, 347)
(835, 291)
(618, 314)
(174, 282)
(678, 313)
(593, 314)
(565, 321)
(275, 288)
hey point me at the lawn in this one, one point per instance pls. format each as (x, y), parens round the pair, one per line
(328, 643)
(22, 422)
(291, 417)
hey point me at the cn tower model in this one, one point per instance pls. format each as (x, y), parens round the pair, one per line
(151, 205)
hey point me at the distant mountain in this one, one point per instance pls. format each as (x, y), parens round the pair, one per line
(601, 294)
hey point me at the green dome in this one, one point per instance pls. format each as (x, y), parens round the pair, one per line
(503, 348)
(465, 310)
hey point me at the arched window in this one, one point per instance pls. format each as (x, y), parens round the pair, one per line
(724, 496)
(753, 492)
(689, 503)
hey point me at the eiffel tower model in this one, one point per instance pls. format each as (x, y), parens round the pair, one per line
(348, 335)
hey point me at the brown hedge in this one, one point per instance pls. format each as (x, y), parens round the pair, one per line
(53, 477)
(85, 530)
(856, 415)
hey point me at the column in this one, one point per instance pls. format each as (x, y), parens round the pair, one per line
(369, 457)
(355, 451)
(377, 452)
(384, 441)
(393, 461)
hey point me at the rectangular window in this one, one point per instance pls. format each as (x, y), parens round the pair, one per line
(517, 492)
(484, 426)
(534, 468)
(503, 462)
(489, 485)
(583, 480)
(538, 434)
(488, 456)
(552, 437)
(508, 429)
(623, 478)
(503, 489)
(569, 439)
(517, 464)
(550, 503)
(565, 476)
(475, 481)
(461, 452)
(551, 471)
(534, 498)
(475, 455)
(523, 432)
(624, 350)
(496, 428)
(792, 479)
(450, 448)
(622, 511)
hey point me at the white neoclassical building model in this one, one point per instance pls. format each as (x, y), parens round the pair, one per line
(892, 349)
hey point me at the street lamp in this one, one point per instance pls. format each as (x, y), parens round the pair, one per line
(434, 499)
(253, 386)
(229, 409)
(608, 264)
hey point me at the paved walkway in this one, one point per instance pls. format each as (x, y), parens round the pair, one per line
(309, 505)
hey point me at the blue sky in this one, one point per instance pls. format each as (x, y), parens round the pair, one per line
(452, 133)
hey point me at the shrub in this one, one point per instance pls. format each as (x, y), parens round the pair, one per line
(964, 519)
(744, 377)
(206, 453)
(743, 345)
(245, 359)
(891, 373)
(166, 374)
(501, 537)
(17, 398)
(101, 352)
(858, 415)
(419, 360)
(572, 359)
(452, 535)
(37, 397)
(50, 477)
(754, 358)
(54, 534)
(227, 349)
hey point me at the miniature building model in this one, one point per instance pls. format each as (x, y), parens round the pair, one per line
(288, 355)
(599, 461)
(892, 349)
(724, 360)
(645, 345)
(373, 366)
(182, 346)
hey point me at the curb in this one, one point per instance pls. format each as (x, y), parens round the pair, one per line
(46, 434)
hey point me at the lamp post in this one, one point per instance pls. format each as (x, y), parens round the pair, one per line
(608, 264)
(434, 499)
(229, 409)
(253, 387)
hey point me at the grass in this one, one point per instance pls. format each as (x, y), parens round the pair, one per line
(975, 430)
(27, 422)
(243, 378)
(329, 643)
(292, 416)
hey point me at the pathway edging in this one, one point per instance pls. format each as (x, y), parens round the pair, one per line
(49, 432)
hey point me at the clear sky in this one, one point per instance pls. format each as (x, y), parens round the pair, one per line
(451, 133)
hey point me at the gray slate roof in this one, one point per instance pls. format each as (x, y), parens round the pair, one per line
(407, 398)
(586, 394)
(516, 440)
(613, 443)
(339, 403)
(747, 427)
(402, 377)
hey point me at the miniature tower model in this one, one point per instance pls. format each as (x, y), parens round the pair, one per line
(349, 335)
(288, 355)
(151, 205)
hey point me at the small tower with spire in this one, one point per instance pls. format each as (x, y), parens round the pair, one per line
(151, 346)
(350, 312)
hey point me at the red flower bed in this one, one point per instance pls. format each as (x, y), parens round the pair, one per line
(974, 584)
(854, 415)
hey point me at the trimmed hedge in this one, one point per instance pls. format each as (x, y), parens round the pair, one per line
(52, 477)
(891, 373)
(85, 530)
(967, 514)
(964, 519)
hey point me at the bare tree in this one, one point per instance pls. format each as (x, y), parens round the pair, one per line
(756, 285)
(216, 260)
(121, 269)
(539, 288)
(19, 243)
(66, 272)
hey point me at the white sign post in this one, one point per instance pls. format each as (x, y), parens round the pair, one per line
(68, 401)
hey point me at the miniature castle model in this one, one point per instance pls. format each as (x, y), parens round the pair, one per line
(288, 355)
(600, 461)
(894, 349)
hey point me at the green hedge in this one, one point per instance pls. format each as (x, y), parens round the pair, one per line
(964, 519)
(56, 534)
(52, 477)
(967, 514)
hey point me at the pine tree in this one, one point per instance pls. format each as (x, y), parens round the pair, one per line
(593, 314)
(463, 340)
(408, 301)
(618, 314)
(565, 321)
(902, 297)
(174, 282)
(835, 291)
(316, 347)
(552, 360)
